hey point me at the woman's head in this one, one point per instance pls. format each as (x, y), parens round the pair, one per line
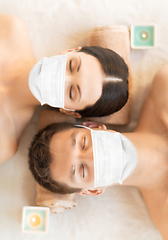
(96, 82)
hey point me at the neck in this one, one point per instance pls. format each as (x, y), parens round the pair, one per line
(148, 172)
(21, 103)
(21, 89)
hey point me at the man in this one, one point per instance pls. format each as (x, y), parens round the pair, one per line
(68, 161)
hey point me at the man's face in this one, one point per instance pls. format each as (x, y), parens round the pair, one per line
(72, 158)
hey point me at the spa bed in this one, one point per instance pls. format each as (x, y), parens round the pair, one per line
(55, 25)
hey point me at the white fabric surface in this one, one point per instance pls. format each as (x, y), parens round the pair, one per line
(54, 26)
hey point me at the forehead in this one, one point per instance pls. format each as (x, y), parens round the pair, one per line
(88, 61)
(63, 153)
(91, 76)
(64, 140)
(60, 141)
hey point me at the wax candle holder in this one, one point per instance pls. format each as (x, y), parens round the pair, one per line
(143, 36)
(35, 219)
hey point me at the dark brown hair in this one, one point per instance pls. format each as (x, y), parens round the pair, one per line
(40, 158)
(114, 93)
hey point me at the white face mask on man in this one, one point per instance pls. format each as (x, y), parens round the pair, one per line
(47, 80)
(115, 157)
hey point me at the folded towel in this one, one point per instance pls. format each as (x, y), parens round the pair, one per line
(117, 39)
(56, 202)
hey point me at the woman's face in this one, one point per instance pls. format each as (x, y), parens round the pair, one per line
(83, 81)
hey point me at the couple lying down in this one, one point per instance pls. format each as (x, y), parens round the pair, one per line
(65, 81)
(66, 158)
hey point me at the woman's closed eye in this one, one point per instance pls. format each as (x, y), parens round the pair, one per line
(72, 93)
(75, 93)
(74, 64)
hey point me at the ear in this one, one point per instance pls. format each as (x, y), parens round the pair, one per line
(89, 192)
(71, 113)
(70, 50)
(94, 125)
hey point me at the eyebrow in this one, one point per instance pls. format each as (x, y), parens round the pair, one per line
(72, 176)
(73, 143)
(79, 91)
(80, 63)
(73, 139)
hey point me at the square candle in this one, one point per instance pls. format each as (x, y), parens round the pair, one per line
(35, 219)
(143, 36)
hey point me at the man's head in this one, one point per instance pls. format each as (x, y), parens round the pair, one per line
(65, 158)
(61, 159)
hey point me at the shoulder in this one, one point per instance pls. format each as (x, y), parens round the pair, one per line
(155, 108)
(158, 95)
(160, 79)
(157, 203)
(10, 24)
(13, 33)
(8, 149)
(15, 47)
(159, 88)
(9, 136)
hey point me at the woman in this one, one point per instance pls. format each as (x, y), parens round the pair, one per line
(62, 81)
(17, 101)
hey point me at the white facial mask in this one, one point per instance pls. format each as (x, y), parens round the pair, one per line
(47, 80)
(115, 157)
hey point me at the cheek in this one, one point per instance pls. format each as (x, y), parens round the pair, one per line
(91, 175)
(66, 92)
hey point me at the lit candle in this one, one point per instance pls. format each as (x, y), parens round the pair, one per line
(143, 36)
(35, 220)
